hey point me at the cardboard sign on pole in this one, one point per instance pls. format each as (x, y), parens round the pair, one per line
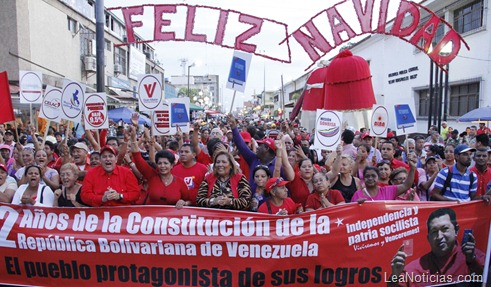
(238, 71)
(161, 121)
(72, 101)
(30, 87)
(95, 112)
(379, 121)
(51, 105)
(149, 92)
(179, 113)
(404, 118)
(328, 129)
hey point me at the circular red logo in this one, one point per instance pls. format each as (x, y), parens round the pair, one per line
(96, 118)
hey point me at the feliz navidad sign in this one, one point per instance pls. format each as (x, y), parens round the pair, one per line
(316, 40)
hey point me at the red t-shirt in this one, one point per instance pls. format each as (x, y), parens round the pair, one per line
(97, 181)
(288, 204)
(482, 180)
(192, 176)
(204, 158)
(314, 200)
(299, 190)
(158, 192)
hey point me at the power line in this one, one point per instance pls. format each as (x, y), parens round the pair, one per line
(470, 58)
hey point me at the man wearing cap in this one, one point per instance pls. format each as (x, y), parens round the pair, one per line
(265, 153)
(8, 185)
(79, 152)
(459, 188)
(367, 139)
(453, 138)
(109, 184)
(482, 170)
(8, 139)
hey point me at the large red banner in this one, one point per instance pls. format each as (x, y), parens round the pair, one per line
(349, 245)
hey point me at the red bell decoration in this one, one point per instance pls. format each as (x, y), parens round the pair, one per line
(348, 84)
(314, 90)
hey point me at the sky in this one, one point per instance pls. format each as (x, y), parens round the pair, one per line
(216, 60)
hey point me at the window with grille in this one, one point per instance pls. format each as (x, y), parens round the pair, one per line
(469, 17)
(120, 58)
(463, 98)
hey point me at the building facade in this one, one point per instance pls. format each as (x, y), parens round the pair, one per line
(401, 72)
(57, 38)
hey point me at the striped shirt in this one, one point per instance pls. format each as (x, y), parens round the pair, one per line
(459, 185)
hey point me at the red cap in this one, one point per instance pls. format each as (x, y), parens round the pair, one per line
(269, 142)
(246, 136)
(2, 166)
(364, 135)
(274, 182)
(109, 148)
(390, 135)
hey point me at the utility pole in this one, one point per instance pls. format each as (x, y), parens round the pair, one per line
(99, 35)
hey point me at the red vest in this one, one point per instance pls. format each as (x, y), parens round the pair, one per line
(234, 183)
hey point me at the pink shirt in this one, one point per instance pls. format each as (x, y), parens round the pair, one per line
(388, 192)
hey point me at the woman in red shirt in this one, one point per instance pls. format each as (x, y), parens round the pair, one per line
(323, 196)
(163, 187)
(279, 203)
(302, 186)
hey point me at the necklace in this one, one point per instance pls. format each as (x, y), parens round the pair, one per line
(167, 180)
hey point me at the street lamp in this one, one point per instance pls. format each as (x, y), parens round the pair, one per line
(189, 69)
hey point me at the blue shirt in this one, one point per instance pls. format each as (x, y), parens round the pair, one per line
(459, 185)
(251, 158)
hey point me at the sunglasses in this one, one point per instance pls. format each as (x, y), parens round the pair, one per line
(280, 179)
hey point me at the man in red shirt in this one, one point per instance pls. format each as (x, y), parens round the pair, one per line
(190, 171)
(483, 172)
(483, 129)
(109, 184)
(447, 257)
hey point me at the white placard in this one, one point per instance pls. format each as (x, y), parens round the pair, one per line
(179, 113)
(379, 122)
(328, 129)
(161, 121)
(72, 101)
(95, 111)
(239, 69)
(149, 92)
(51, 105)
(30, 87)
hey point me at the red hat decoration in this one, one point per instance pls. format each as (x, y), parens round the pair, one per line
(348, 84)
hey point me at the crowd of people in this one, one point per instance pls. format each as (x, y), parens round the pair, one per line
(240, 164)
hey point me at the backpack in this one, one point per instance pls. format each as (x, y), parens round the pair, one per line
(446, 184)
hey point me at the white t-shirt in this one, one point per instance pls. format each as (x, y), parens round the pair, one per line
(47, 195)
(9, 183)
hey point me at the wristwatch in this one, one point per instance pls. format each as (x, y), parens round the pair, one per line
(121, 196)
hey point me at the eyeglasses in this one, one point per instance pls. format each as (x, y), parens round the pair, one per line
(280, 179)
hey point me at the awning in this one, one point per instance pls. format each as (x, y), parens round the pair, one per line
(194, 107)
(122, 95)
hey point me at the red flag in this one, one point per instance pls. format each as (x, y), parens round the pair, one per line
(7, 114)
